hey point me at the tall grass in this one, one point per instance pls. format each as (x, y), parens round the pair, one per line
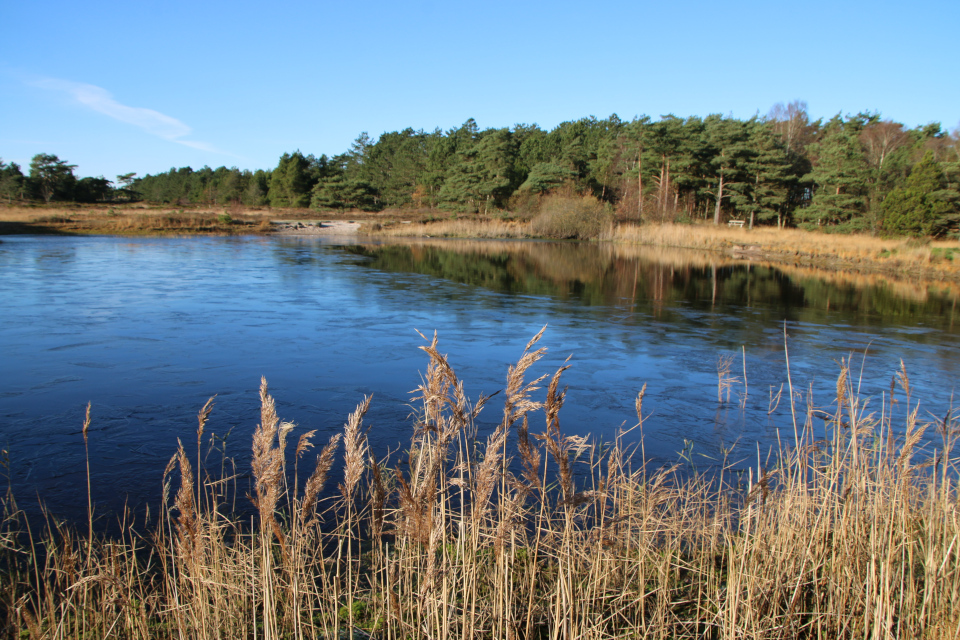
(137, 219)
(526, 533)
(790, 245)
(453, 228)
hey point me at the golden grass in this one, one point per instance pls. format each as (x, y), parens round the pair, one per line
(453, 228)
(850, 536)
(799, 245)
(127, 219)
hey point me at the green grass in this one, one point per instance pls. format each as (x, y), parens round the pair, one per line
(944, 253)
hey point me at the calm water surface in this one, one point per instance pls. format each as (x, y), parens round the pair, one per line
(148, 329)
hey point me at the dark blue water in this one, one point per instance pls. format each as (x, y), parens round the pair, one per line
(148, 329)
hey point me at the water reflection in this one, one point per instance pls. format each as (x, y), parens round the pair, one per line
(660, 280)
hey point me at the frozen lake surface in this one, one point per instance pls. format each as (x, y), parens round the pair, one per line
(148, 328)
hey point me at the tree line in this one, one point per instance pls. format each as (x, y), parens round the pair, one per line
(849, 173)
(52, 179)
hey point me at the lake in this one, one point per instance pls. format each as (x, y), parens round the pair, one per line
(148, 328)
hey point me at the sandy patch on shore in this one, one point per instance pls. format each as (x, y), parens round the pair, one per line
(315, 227)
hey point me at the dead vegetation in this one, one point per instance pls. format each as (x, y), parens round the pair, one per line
(132, 219)
(799, 246)
(525, 533)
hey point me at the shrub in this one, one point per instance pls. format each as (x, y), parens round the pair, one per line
(579, 218)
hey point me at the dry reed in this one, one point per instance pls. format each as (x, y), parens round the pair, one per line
(130, 219)
(453, 228)
(850, 531)
(797, 245)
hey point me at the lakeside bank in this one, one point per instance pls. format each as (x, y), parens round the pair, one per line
(916, 257)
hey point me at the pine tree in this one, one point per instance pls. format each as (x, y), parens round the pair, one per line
(496, 161)
(664, 141)
(336, 192)
(52, 177)
(840, 177)
(767, 177)
(923, 206)
(11, 181)
(255, 194)
(725, 140)
(546, 176)
(461, 172)
(289, 182)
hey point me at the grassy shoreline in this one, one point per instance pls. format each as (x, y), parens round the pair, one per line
(851, 535)
(795, 247)
(934, 259)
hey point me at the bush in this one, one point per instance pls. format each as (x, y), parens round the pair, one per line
(524, 204)
(567, 217)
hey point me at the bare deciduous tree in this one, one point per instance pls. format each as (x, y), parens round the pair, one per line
(880, 139)
(790, 121)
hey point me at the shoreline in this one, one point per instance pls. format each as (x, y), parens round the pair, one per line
(937, 260)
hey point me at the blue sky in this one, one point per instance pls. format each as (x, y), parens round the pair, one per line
(145, 86)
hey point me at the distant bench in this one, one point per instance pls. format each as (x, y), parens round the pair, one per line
(735, 223)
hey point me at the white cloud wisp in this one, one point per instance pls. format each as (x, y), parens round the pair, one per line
(102, 101)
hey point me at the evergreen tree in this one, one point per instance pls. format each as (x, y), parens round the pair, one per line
(496, 162)
(569, 139)
(606, 167)
(461, 185)
(336, 192)
(52, 177)
(782, 168)
(839, 176)
(395, 165)
(631, 167)
(461, 175)
(227, 185)
(925, 205)
(255, 194)
(534, 147)
(725, 141)
(546, 176)
(11, 181)
(767, 177)
(663, 142)
(290, 183)
(92, 190)
(675, 165)
(124, 189)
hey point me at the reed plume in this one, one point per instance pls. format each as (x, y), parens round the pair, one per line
(187, 528)
(317, 480)
(354, 449)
